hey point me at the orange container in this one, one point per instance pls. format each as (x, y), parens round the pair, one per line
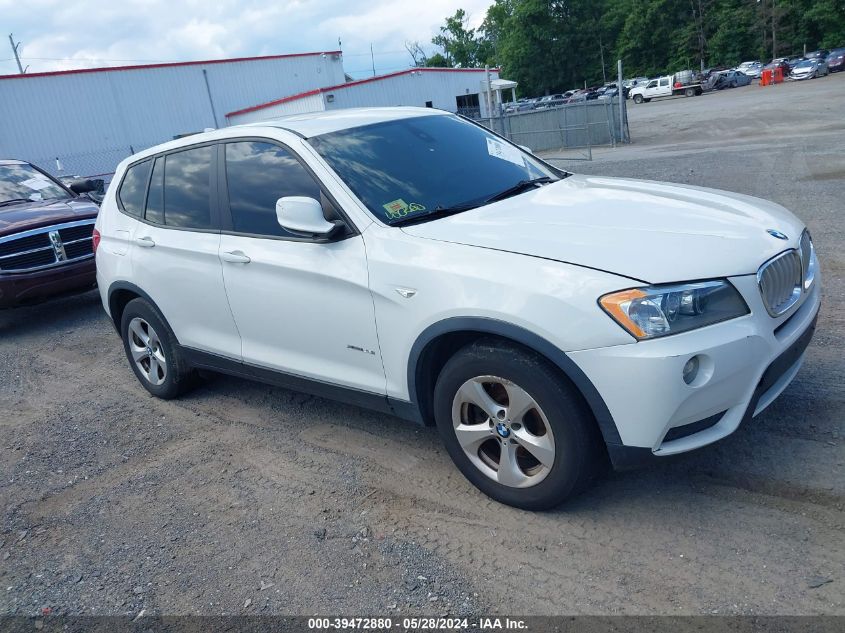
(778, 75)
(766, 78)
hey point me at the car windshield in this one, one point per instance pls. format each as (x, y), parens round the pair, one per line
(413, 167)
(22, 182)
(805, 64)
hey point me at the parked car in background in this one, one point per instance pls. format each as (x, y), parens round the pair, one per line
(809, 69)
(685, 82)
(752, 69)
(549, 101)
(609, 92)
(782, 64)
(836, 60)
(820, 54)
(542, 320)
(636, 81)
(522, 105)
(731, 79)
(46, 231)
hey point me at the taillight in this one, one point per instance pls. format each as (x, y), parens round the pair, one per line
(95, 240)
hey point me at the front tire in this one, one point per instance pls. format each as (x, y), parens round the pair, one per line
(153, 352)
(515, 427)
(638, 99)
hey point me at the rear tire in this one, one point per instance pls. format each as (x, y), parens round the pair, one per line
(515, 427)
(153, 351)
(689, 92)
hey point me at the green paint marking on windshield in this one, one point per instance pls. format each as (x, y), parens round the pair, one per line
(399, 208)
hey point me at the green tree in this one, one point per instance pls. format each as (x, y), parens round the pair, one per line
(437, 61)
(552, 45)
(462, 46)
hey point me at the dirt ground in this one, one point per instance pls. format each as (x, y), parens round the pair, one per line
(244, 498)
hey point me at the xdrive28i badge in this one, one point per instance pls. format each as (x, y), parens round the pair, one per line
(777, 234)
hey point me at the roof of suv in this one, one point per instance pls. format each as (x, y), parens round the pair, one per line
(316, 123)
(305, 125)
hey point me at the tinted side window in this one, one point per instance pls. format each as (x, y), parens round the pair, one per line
(187, 188)
(133, 188)
(258, 175)
(155, 196)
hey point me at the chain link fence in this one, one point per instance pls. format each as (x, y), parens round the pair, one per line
(99, 163)
(574, 126)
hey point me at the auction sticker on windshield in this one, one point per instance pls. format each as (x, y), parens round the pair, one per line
(399, 208)
(505, 152)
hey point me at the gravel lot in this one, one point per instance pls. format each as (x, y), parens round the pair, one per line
(244, 498)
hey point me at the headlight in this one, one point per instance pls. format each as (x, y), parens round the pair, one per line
(656, 311)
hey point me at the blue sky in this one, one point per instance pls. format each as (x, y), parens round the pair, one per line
(62, 35)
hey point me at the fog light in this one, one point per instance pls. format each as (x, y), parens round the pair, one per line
(690, 370)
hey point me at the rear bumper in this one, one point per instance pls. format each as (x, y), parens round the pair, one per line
(745, 364)
(17, 289)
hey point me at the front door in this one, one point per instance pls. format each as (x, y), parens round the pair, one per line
(302, 307)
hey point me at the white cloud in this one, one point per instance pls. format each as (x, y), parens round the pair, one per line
(60, 35)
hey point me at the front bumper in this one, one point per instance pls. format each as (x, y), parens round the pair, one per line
(17, 289)
(745, 364)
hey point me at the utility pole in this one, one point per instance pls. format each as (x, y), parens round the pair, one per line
(774, 31)
(15, 51)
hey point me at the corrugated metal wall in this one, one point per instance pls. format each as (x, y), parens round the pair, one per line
(440, 87)
(311, 103)
(92, 120)
(414, 89)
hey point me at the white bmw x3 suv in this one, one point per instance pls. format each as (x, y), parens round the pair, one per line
(413, 262)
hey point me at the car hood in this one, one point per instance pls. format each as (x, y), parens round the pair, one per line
(648, 231)
(15, 218)
(803, 70)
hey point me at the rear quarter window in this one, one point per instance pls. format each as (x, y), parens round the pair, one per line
(133, 188)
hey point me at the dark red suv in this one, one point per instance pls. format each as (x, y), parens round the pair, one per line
(46, 235)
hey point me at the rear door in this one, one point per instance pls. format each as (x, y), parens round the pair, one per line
(302, 306)
(175, 251)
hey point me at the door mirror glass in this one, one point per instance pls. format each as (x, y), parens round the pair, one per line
(303, 216)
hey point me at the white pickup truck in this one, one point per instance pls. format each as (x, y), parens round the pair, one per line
(682, 83)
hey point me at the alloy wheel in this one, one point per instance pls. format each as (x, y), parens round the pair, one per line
(145, 347)
(503, 431)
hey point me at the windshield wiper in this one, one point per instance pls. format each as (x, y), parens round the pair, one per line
(13, 200)
(522, 185)
(438, 212)
(441, 211)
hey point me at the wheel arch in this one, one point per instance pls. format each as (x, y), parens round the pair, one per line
(438, 342)
(120, 294)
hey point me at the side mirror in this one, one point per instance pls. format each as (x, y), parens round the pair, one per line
(304, 216)
(85, 186)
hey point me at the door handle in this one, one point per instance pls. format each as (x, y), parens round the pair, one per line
(235, 257)
(146, 242)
